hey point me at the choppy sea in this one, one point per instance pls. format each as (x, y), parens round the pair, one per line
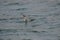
(46, 25)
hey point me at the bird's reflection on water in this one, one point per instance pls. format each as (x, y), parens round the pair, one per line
(26, 23)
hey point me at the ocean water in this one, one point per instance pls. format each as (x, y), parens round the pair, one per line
(46, 25)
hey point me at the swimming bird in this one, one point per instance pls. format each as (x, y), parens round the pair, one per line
(26, 19)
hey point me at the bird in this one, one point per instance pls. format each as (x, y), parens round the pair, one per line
(26, 18)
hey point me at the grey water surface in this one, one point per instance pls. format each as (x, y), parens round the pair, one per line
(46, 24)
